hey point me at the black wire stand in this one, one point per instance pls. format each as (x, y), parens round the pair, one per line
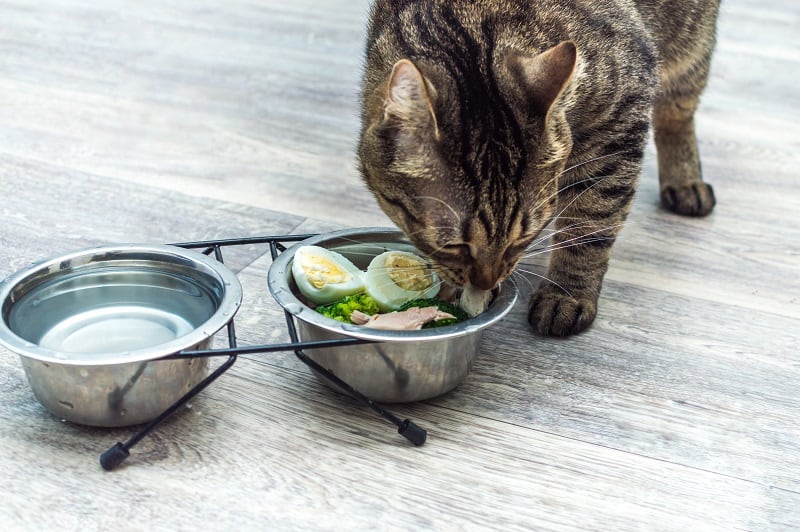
(119, 452)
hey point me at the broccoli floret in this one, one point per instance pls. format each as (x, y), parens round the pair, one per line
(342, 309)
(444, 306)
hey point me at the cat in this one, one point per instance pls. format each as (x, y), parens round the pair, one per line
(485, 120)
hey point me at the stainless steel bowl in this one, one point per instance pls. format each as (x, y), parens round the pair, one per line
(90, 326)
(401, 366)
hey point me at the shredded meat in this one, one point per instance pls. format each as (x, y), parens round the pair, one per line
(408, 320)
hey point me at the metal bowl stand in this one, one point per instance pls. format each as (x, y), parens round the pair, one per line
(117, 453)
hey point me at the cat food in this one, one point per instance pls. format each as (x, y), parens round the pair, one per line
(395, 277)
(324, 276)
(412, 319)
(397, 292)
(392, 278)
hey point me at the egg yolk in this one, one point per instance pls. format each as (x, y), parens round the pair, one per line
(324, 271)
(408, 273)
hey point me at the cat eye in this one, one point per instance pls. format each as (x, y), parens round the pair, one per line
(462, 250)
(514, 250)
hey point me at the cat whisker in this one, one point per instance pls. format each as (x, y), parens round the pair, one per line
(576, 241)
(550, 249)
(554, 232)
(519, 274)
(590, 224)
(593, 159)
(442, 246)
(559, 215)
(558, 192)
(452, 210)
(545, 278)
(596, 180)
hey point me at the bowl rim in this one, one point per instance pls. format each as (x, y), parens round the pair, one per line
(230, 302)
(280, 270)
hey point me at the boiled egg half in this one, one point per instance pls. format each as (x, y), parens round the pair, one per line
(325, 276)
(396, 277)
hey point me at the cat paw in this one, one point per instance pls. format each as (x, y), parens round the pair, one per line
(691, 199)
(557, 314)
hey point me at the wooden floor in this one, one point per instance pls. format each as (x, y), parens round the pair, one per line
(165, 121)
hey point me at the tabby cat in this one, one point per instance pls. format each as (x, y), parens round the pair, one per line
(485, 120)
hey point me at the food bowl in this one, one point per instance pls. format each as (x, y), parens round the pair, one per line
(396, 366)
(90, 326)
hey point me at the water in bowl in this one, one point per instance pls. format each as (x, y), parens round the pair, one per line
(103, 313)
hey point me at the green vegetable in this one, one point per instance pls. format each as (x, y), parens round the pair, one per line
(342, 309)
(444, 306)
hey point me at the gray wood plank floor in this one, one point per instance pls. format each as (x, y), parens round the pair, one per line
(190, 119)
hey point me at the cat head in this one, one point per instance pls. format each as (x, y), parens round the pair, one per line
(465, 158)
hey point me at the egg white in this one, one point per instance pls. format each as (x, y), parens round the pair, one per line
(389, 295)
(325, 276)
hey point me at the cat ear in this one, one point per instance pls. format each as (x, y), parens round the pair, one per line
(408, 98)
(545, 76)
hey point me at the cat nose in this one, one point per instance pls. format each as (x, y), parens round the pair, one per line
(482, 278)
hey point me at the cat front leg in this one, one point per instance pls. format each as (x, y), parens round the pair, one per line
(592, 213)
(566, 302)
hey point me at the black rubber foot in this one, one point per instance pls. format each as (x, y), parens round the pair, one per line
(413, 433)
(114, 456)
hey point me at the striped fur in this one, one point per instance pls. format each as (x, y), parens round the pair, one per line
(484, 121)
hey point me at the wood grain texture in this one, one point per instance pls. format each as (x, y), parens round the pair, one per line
(186, 119)
(251, 103)
(48, 210)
